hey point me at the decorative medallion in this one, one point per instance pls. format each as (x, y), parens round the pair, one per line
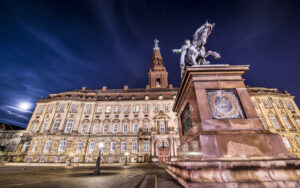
(186, 121)
(224, 104)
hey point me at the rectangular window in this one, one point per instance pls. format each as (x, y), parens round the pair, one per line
(108, 109)
(69, 126)
(42, 160)
(266, 103)
(122, 159)
(88, 109)
(79, 147)
(156, 108)
(24, 146)
(62, 145)
(286, 142)
(115, 128)
(99, 109)
(162, 126)
(135, 127)
(118, 109)
(45, 125)
(166, 108)
(112, 146)
(73, 108)
(146, 127)
(123, 146)
(146, 108)
(57, 159)
(47, 146)
(134, 146)
(136, 108)
(278, 104)
(105, 128)
(95, 128)
(32, 129)
(40, 110)
(11, 147)
(125, 128)
(92, 146)
(289, 105)
(61, 108)
(84, 126)
(50, 109)
(111, 160)
(254, 104)
(35, 145)
(146, 145)
(126, 108)
(298, 141)
(56, 125)
(88, 160)
(76, 160)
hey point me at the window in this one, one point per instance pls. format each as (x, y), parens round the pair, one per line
(298, 122)
(62, 145)
(79, 147)
(24, 146)
(105, 128)
(118, 109)
(42, 160)
(112, 146)
(95, 128)
(157, 82)
(111, 160)
(122, 159)
(278, 104)
(286, 121)
(88, 109)
(274, 121)
(262, 121)
(254, 104)
(32, 129)
(156, 108)
(146, 146)
(57, 159)
(146, 127)
(286, 142)
(146, 108)
(56, 125)
(40, 110)
(47, 146)
(45, 125)
(132, 97)
(289, 105)
(73, 108)
(88, 160)
(166, 108)
(162, 126)
(61, 108)
(69, 126)
(125, 128)
(35, 145)
(134, 146)
(123, 146)
(108, 109)
(50, 109)
(11, 147)
(76, 160)
(298, 141)
(99, 109)
(266, 103)
(115, 128)
(136, 108)
(135, 127)
(126, 108)
(84, 126)
(92, 146)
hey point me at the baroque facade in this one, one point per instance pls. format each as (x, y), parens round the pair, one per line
(137, 125)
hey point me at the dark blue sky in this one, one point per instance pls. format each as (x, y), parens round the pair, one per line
(56, 46)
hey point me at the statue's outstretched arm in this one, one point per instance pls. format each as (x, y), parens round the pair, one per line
(177, 51)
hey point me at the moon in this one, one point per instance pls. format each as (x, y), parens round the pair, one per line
(24, 106)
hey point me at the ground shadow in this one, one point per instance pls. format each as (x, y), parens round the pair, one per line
(93, 175)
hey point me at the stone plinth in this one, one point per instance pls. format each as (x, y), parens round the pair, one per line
(222, 138)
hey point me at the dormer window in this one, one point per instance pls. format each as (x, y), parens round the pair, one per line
(119, 97)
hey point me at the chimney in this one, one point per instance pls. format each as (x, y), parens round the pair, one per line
(104, 88)
(83, 89)
(125, 87)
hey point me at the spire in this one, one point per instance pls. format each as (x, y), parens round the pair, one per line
(156, 47)
(157, 63)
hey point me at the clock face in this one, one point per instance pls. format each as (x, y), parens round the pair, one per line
(224, 104)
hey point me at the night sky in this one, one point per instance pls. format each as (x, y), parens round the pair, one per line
(56, 46)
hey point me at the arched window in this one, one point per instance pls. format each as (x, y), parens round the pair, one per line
(286, 121)
(69, 126)
(112, 146)
(84, 126)
(262, 121)
(274, 121)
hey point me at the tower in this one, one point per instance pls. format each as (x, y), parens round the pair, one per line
(158, 76)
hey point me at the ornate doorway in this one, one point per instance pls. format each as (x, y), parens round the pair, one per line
(163, 153)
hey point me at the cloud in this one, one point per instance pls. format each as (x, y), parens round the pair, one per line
(12, 110)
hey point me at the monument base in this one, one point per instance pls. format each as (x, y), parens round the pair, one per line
(236, 173)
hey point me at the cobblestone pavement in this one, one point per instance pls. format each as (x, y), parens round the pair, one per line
(134, 175)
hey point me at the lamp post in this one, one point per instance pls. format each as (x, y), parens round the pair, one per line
(70, 159)
(97, 170)
(126, 154)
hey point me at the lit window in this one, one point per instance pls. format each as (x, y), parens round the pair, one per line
(136, 108)
(266, 103)
(134, 146)
(298, 141)
(132, 97)
(289, 105)
(112, 146)
(135, 127)
(108, 109)
(160, 97)
(286, 142)
(79, 146)
(69, 125)
(62, 145)
(74, 108)
(146, 108)
(32, 129)
(105, 128)
(47, 146)
(278, 104)
(115, 128)
(84, 126)
(35, 145)
(99, 109)
(95, 128)
(45, 125)
(174, 96)
(118, 109)
(166, 108)
(286, 121)
(146, 97)
(126, 108)
(146, 127)
(162, 126)
(92, 146)
(156, 108)
(88, 109)
(274, 121)
(125, 128)
(56, 125)
(146, 145)
(123, 146)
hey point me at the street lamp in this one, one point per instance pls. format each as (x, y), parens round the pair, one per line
(69, 159)
(126, 154)
(97, 170)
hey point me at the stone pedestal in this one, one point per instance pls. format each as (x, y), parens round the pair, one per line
(222, 140)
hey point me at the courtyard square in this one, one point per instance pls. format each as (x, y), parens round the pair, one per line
(134, 175)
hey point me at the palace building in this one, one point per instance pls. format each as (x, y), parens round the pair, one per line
(137, 125)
